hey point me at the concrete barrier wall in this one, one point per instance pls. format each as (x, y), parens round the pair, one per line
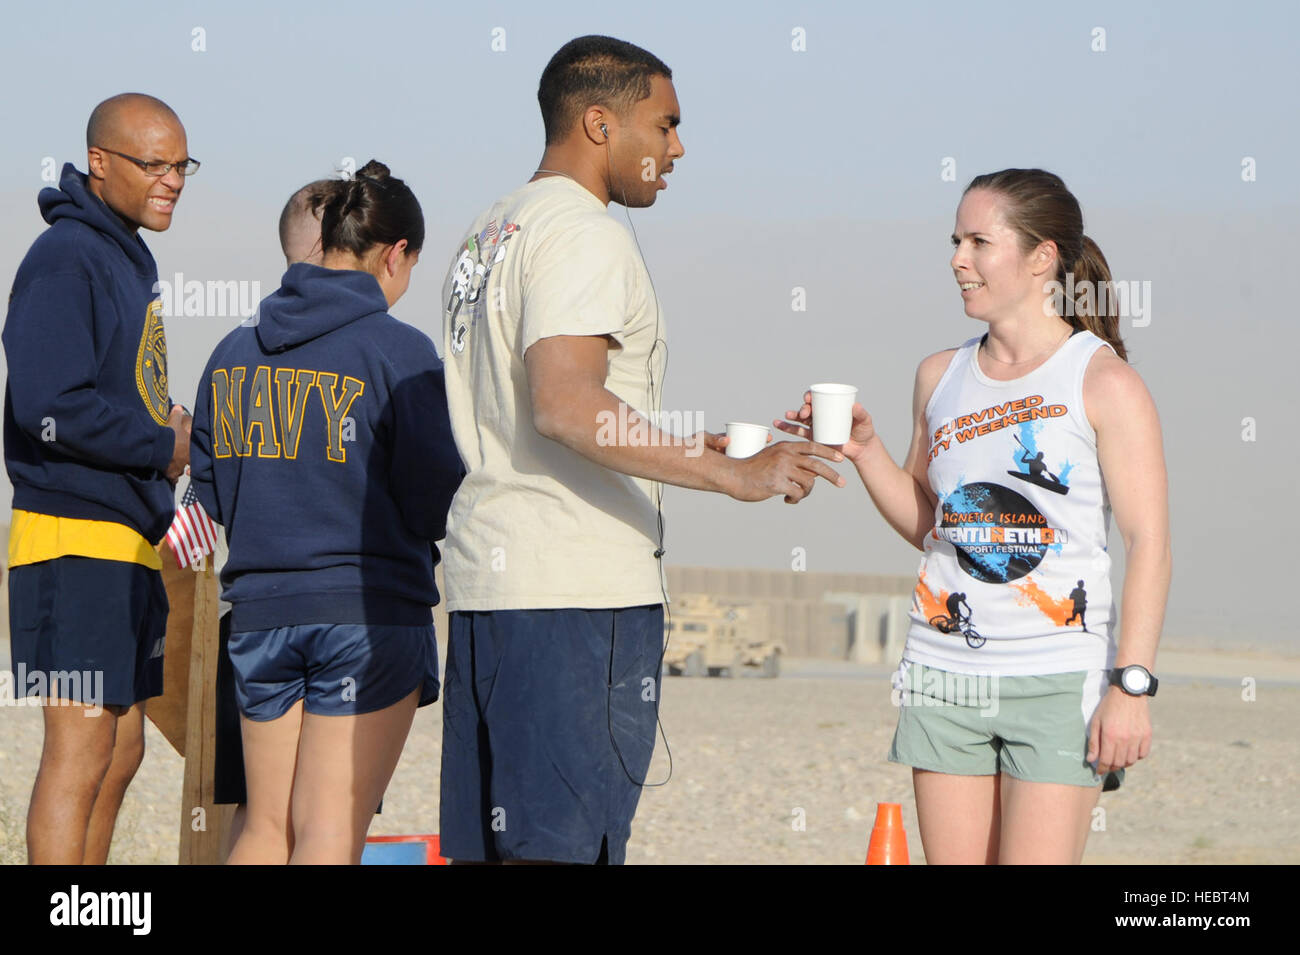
(861, 617)
(787, 584)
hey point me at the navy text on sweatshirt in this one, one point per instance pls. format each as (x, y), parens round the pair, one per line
(86, 403)
(323, 445)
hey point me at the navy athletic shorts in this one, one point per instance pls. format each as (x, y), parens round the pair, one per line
(87, 630)
(229, 783)
(548, 726)
(337, 669)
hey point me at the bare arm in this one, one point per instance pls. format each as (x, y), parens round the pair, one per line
(566, 382)
(1131, 455)
(901, 494)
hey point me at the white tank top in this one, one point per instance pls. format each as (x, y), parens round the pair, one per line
(1016, 577)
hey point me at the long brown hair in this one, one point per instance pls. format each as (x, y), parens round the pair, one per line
(1038, 207)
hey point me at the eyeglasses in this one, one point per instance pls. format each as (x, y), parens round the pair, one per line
(186, 167)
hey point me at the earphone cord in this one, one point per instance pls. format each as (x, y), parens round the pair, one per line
(657, 492)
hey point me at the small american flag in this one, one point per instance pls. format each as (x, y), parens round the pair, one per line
(192, 534)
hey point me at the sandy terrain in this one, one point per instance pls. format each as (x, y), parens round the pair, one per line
(748, 754)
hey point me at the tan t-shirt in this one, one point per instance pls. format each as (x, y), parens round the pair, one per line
(534, 524)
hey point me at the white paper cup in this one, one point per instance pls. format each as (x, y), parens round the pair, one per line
(832, 412)
(746, 439)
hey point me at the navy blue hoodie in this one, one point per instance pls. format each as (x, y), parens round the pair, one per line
(323, 445)
(86, 403)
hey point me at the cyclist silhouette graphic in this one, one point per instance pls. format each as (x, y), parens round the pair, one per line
(956, 620)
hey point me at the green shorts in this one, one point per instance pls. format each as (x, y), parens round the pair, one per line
(1034, 728)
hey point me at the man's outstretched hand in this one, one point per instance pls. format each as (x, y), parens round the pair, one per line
(788, 468)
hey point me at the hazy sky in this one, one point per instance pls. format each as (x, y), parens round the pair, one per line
(818, 168)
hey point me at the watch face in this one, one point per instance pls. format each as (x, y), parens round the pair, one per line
(1135, 681)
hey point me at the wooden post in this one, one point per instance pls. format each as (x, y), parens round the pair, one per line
(169, 712)
(204, 825)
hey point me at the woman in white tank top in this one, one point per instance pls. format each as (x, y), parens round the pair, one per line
(1025, 440)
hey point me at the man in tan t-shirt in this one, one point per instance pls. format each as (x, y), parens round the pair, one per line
(554, 351)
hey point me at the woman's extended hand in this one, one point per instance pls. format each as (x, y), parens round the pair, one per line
(860, 435)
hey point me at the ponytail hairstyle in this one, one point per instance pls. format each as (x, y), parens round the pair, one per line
(373, 208)
(1038, 208)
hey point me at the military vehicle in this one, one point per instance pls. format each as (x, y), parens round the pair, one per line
(708, 636)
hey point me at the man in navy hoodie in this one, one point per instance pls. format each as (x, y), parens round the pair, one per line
(93, 446)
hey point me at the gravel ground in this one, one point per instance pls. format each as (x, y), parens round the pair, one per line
(754, 758)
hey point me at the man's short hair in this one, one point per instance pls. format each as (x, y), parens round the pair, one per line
(594, 70)
(105, 117)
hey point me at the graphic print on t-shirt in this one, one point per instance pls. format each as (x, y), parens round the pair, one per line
(970, 427)
(998, 534)
(1032, 465)
(1017, 554)
(956, 617)
(1079, 597)
(479, 255)
(1062, 611)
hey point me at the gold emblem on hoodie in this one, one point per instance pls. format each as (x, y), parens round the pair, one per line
(151, 364)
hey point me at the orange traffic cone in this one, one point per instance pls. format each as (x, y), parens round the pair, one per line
(888, 839)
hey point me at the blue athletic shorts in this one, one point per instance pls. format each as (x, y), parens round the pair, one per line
(548, 726)
(337, 669)
(229, 784)
(87, 630)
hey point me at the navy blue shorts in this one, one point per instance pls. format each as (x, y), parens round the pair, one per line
(230, 786)
(337, 669)
(87, 630)
(548, 726)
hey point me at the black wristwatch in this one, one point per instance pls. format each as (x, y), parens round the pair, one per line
(1134, 680)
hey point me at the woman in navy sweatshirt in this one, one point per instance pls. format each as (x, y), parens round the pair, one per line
(322, 443)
